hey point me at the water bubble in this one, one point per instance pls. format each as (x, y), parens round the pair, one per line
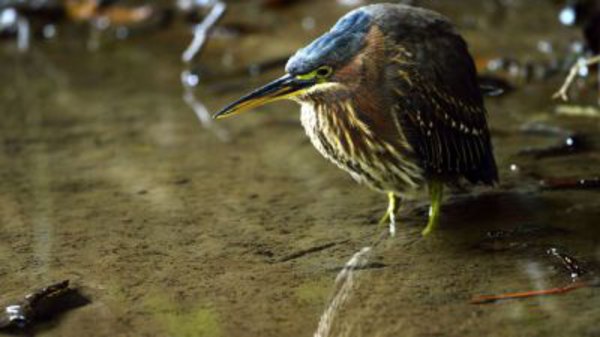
(570, 141)
(567, 16)
(8, 17)
(228, 60)
(584, 70)
(102, 23)
(577, 47)
(308, 23)
(495, 64)
(545, 47)
(190, 79)
(49, 31)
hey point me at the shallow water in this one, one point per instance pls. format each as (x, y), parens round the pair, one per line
(108, 179)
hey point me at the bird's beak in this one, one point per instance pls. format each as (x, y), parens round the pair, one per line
(285, 87)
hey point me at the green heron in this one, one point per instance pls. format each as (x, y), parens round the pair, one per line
(390, 95)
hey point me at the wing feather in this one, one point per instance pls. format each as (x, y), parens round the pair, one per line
(442, 114)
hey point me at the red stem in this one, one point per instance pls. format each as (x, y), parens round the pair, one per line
(526, 294)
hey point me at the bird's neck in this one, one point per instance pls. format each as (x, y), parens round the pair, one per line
(336, 124)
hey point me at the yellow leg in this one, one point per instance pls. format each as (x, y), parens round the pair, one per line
(436, 191)
(390, 214)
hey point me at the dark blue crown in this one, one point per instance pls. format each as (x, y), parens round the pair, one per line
(335, 47)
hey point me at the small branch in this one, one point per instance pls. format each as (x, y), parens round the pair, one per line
(531, 293)
(190, 80)
(562, 93)
(578, 110)
(43, 304)
(202, 29)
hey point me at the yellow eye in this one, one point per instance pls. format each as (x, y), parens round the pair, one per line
(320, 74)
(323, 71)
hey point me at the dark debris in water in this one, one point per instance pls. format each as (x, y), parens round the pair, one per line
(485, 299)
(39, 306)
(494, 86)
(519, 237)
(581, 274)
(569, 145)
(573, 266)
(570, 142)
(570, 183)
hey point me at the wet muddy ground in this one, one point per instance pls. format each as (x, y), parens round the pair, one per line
(108, 179)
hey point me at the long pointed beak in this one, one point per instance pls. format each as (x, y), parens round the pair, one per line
(282, 88)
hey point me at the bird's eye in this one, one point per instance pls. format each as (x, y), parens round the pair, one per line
(324, 71)
(320, 74)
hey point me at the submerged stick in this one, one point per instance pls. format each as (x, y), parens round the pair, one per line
(344, 284)
(190, 80)
(527, 294)
(345, 281)
(40, 305)
(578, 110)
(202, 29)
(562, 93)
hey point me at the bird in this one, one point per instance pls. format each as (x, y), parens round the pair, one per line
(390, 95)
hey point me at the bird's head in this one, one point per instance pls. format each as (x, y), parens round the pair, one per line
(332, 63)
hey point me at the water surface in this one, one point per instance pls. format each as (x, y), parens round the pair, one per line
(108, 179)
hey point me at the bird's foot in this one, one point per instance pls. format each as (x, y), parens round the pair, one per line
(390, 214)
(392, 224)
(436, 190)
(389, 219)
(433, 221)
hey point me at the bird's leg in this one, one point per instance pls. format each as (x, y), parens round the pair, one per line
(391, 213)
(386, 216)
(436, 190)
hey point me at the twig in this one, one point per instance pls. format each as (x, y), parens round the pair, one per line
(569, 263)
(531, 293)
(202, 29)
(189, 80)
(578, 110)
(40, 305)
(562, 92)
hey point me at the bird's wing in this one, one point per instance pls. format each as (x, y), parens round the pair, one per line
(440, 109)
